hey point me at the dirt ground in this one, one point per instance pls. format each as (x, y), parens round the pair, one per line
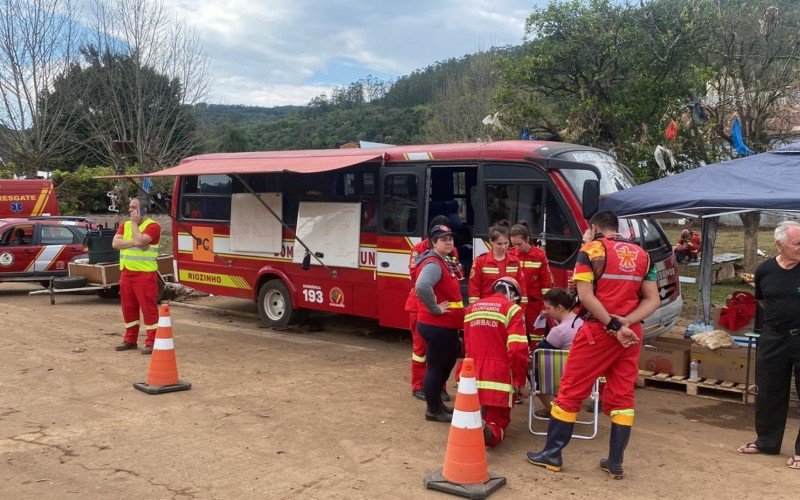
(316, 414)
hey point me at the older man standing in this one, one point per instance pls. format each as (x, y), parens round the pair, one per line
(137, 241)
(778, 292)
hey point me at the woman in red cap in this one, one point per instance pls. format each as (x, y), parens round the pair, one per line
(440, 316)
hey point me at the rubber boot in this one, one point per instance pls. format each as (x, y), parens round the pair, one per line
(620, 434)
(558, 436)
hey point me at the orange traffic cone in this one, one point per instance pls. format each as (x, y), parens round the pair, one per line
(163, 373)
(465, 471)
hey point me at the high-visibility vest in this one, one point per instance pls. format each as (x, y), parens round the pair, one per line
(134, 259)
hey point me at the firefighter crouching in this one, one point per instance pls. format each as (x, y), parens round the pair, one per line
(137, 241)
(494, 335)
(440, 316)
(617, 288)
(418, 347)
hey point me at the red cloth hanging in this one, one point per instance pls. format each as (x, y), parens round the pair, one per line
(672, 130)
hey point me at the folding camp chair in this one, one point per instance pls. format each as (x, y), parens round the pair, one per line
(547, 367)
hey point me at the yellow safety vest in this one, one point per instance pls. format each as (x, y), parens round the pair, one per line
(134, 259)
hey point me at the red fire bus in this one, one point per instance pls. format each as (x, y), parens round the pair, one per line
(332, 230)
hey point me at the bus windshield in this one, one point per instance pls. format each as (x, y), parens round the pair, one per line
(613, 177)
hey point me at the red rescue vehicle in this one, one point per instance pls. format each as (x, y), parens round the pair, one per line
(27, 197)
(332, 230)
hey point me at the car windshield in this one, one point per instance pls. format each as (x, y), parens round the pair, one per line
(644, 232)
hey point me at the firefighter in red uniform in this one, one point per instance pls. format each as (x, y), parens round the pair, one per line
(418, 347)
(497, 263)
(494, 334)
(537, 275)
(137, 241)
(617, 288)
(439, 318)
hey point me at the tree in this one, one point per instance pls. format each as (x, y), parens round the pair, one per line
(458, 108)
(38, 42)
(150, 71)
(753, 53)
(600, 72)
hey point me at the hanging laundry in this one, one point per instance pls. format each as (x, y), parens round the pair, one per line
(525, 134)
(664, 158)
(738, 140)
(672, 130)
(699, 115)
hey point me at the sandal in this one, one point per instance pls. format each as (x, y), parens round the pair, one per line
(794, 462)
(749, 449)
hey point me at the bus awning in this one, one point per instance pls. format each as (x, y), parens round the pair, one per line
(259, 163)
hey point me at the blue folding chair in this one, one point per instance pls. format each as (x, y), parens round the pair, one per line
(547, 368)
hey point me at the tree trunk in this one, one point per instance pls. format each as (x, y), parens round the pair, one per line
(750, 222)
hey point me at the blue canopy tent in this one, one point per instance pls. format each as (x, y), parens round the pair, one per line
(762, 182)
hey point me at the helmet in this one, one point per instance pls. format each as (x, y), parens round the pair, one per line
(506, 284)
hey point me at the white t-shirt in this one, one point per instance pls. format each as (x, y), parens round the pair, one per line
(562, 335)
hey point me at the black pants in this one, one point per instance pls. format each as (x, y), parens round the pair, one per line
(777, 355)
(442, 351)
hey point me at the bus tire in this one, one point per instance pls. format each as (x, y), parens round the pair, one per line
(275, 304)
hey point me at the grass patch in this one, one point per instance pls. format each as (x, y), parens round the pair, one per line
(729, 239)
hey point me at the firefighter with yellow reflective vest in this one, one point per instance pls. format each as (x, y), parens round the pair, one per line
(494, 336)
(137, 241)
(616, 284)
(497, 263)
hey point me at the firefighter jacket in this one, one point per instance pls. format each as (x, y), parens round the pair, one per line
(419, 249)
(447, 289)
(616, 267)
(494, 336)
(135, 259)
(485, 271)
(538, 279)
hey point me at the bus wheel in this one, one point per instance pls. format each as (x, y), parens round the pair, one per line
(275, 304)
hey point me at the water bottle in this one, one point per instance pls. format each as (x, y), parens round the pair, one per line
(689, 331)
(693, 370)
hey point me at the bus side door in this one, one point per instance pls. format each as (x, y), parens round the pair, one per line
(401, 216)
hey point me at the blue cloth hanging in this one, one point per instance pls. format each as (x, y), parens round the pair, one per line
(525, 134)
(738, 140)
(147, 184)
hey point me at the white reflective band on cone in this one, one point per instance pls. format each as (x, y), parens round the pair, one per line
(468, 386)
(467, 419)
(163, 345)
(164, 321)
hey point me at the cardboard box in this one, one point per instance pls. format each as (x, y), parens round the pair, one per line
(666, 355)
(727, 364)
(715, 311)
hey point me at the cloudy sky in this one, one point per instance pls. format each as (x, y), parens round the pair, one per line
(275, 52)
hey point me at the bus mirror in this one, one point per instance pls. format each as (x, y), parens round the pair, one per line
(306, 265)
(591, 197)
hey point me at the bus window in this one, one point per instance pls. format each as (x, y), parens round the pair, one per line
(206, 197)
(399, 210)
(515, 202)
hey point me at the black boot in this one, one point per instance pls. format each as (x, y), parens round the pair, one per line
(558, 436)
(620, 434)
(438, 414)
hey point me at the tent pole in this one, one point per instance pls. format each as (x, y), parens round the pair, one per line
(709, 235)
